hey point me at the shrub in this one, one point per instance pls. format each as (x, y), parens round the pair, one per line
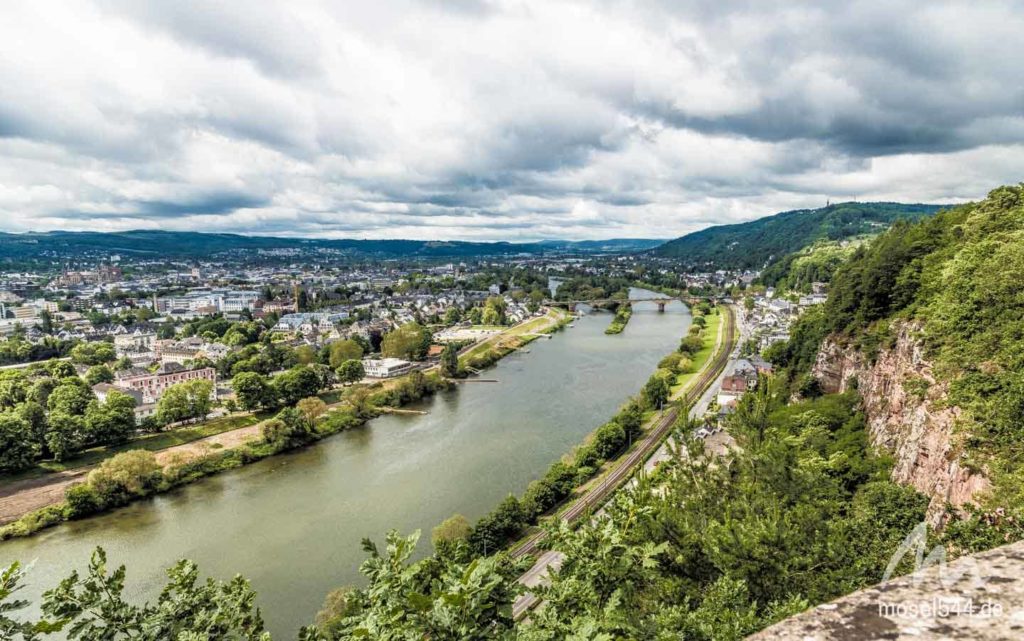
(124, 476)
(82, 500)
(454, 528)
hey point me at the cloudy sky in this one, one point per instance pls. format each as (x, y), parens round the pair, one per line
(497, 119)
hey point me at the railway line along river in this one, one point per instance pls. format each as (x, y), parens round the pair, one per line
(292, 524)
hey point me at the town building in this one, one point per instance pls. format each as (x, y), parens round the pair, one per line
(386, 367)
(153, 385)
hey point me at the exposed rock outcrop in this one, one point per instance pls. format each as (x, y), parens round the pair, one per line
(907, 415)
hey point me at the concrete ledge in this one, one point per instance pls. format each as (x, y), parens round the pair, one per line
(975, 597)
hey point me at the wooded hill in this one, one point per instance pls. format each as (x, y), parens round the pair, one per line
(753, 244)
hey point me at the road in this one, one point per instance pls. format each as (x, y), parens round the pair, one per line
(593, 498)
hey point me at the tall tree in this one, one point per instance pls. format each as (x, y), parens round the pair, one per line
(18, 445)
(450, 361)
(344, 350)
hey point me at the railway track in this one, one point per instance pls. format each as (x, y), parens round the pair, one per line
(592, 499)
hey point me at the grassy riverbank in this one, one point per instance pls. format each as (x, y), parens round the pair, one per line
(709, 335)
(622, 316)
(497, 347)
(602, 451)
(151, 442)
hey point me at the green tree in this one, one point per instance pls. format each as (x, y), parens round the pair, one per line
(64, 434)
(185, 401)
(18, 445)
(14, 388)
(452, 315)
(46, 321)
(112, 421)
(71, 397)
(99, 374)
(656, 392)
(253, 391)
(296, 384)
(351, 372)
(95, 353)
(305, 354)
(410, 342)
(450, 361)
(454, 528)
(691, 344)
(311, 409)
(344, 350)
(61, 369)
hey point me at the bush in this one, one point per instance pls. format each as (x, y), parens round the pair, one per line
(125, 476)
(540, 496)
(82, 500)
(609, 439)
(691, 344)
(496, 529)
(454, 528)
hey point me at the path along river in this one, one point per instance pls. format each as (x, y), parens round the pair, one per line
(292, 524)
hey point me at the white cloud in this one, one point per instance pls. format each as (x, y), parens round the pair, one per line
(504, 119)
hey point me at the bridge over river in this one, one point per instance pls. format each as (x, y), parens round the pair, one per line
(660, 300)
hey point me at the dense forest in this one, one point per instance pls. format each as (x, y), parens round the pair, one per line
(813, 264)
(753, 244)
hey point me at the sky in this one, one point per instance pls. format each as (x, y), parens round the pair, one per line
(497, 119)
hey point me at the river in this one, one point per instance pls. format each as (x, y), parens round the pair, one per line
(292, 524)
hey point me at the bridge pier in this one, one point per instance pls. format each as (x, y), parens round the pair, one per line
(661, 306)
(572, 307)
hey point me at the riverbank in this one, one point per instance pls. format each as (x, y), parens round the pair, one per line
(621, 319)
(37, 503)
(593, 496)
(710, 336)
(574, 475)
(491, 350)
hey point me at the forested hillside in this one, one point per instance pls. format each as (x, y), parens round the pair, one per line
(753, 244)
(813, 264)
(955, 278)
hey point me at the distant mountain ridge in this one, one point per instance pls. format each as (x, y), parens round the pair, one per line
(753, 244)
(197, 245)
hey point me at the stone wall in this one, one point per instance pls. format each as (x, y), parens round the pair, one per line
(978, 597)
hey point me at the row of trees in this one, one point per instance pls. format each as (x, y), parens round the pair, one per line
(49, 412)
(52, 413)
(255, 391)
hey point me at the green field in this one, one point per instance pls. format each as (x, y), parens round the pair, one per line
(710, 336)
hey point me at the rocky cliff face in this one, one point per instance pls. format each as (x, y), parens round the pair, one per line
(905, 416)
